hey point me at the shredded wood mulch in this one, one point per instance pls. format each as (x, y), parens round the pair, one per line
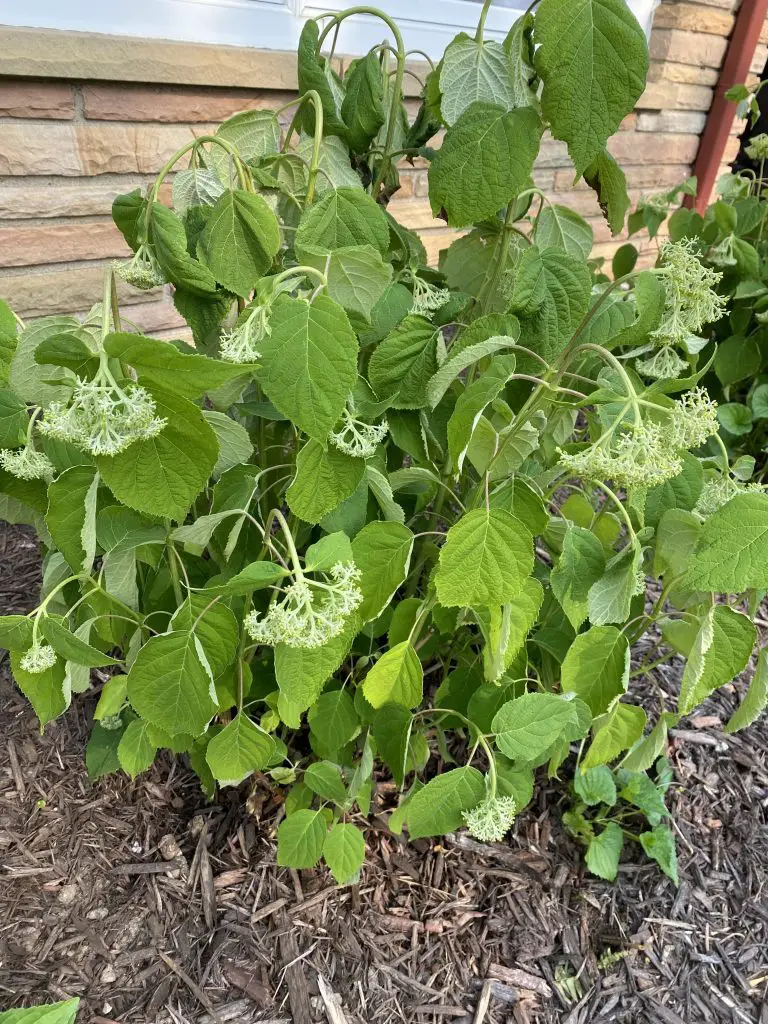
(152, 905)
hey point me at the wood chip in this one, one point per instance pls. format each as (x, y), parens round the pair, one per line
(520, 979)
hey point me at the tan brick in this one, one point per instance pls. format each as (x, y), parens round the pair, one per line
(151, 317)
(698, 49)
(552, 154)
(435, 241)
(26, 246)
(759, 59)
(675, 96)
(634, 148)
(39, 149)
(37, 99)
(420, 183)
(694, 18)
(154, 103)
(732, 147)
(406, 186)
(21, 199)
(640, 177)
(687, 121)
(139, 148)
(670, 71)
(63, 291)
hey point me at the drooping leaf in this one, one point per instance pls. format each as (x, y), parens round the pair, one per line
(396, 678)
(324, 478)
(313, 74)
(472, 402)
(610, 183)
(170, 684)
(720, 651)
(240, 240)
(596, 667)
(70, 646)
(485, 160)
(333, 719)
(439, 807)
(43, 690)
(468, 355)
(169, 241)
(472, 71)
(362, 108)
(382, 552)
(240, 749)
(592, 57)
(756, 697)
(344, 852)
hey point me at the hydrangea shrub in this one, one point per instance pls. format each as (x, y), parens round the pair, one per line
(383, 517)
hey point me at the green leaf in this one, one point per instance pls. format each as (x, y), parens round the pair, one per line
(27, 379)
(325, 781)
(253, 133)
(610, 598)
(596, 667)
(240, 749)
(439, 807)
(301, 835)
(309, 362)
(324, 478)
(659, 845)
(592, 57)
(333, 719)
(472, 71)
(13, 420)
(235, 446)
(609, 182)
(467, 356)
(505, 628)
(392, 732)
(732, 555)
(196, 186)
(529, 726)
(163, 475)
(681, 491)
(362, 108)
(595, 786)
(642, 792)
(344, 849)
(112, 697)
(121, 529)
(185, 374)
(519, 47)
(500, 551)
(170, 684)
(485, 160)
(8, 339)
(720, 651)
(326, 552)
(71, 516)
(215, 626)
(43, 690)
(559, 227)
(613, 733)
(69, 646)
(564, 297)
(167, 235)
(135, 751)
(382, 553)
(240, 240)
(301, 672)
(756, 698)
(580, 565)
(472, 402)
(396, 678)
(52, 1013)
(314, 74)
(335, 169)
(101, 753)
(677, 535)
(357, 276)
(403, 363)
(343, 217)
(603, 852)
(15, 632)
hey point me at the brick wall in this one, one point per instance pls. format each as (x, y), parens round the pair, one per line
(68, 147)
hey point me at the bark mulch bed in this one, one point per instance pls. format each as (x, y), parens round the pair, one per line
(154, 906)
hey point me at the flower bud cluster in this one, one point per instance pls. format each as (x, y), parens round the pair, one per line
(27, 463)
(640, 457)
(665, 364)
(718, 491)
(357, 438)
(758, 147)
(39, 658)
(491, 820)
(102, 418)
(427, 298)
(692, 420)
(311, 611)
(692, 301)
(142, 270)
(241, 344)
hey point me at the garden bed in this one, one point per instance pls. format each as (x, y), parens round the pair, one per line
(152, 905)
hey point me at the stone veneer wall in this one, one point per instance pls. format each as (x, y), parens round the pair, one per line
(84, 118)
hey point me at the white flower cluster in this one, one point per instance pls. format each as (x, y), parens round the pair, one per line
(39, 658)
(241, 344)
(692, 302)
(718, 491)
(758, 148)
(27, 463)
(102, 418)
(427, 299)
(491, 820)
(692, 420)
(640, 457)
(142, 270)
(358, 438)
(665, 364)
(311, 611)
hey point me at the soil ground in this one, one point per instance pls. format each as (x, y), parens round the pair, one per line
(152, 905)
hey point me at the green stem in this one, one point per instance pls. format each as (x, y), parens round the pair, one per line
(318, 275)
(481, 22)
(173, 569)
(314, 164)
(622, 511)
(290, 543)
(724, 451)
(488, 288)
(106, 302)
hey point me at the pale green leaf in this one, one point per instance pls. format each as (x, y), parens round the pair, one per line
(136, 752)
(439, 807)
(603, 852)
(71, 516)
(28, 379)
(610, 597)
(596, 667)
(499, 549)
(170, 686)
(301, 672)
(112, 697)
(300, 839)
(215, 626)
(52, 1013)
(595, 786)
(519, 46)
(235, 447)
(344, 852)
(581, 563)
(529, 726)
(343, 217)
(43, 690)
(677, 535)
(240, 240)
(253, 133)
(309, 362)
(592, 57)
(471, 403)
(324, 478)
(454, 365)
(196, 186)
(333, 719)
(381, 489)
(396, 678)
(756, 697)
(720, 651)
(732, 555)
(240, 749)
(14, 420)
(471, 71)
(659, 845)
(614, 733)
(325, 781)
(70, 646)
(559, 227)
(335, 169)
(357, 275)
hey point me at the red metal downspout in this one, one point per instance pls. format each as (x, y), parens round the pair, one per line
(741, 49)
